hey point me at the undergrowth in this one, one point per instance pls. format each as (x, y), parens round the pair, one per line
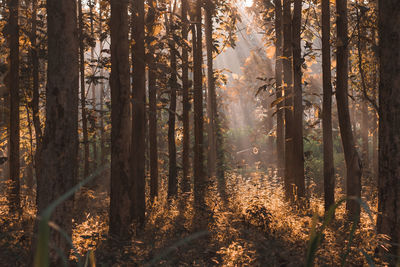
(253, 226)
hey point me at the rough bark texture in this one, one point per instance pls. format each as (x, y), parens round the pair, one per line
(173, 83)
(389, 122)
(280, 134)
(13, 83)
(152, 73)
(353, 165)
(83, 92)
(329, 171)
(60, 140)
(185, 100)
(211, 94)
(288, 89)
(121, 198)
(35, 89)
(298, 155)
(138, 112)
(199, 177)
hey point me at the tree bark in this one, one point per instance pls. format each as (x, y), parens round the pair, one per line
(353, 165)
(211, 95)
(121, 197)
(280, 134)
(83, 92)
(185, 100)
(152, 73)
(389, 130)
(298, 150)
(35, 93)
(329, 171)
(13, 82)
(138, 112)
(288, 90)
(199, 177)
(173, 83)
(60, 141)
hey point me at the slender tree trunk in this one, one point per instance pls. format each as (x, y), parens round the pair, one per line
(93, 85)
(298, 155)
(35, 93)
(138, 112)
(353, 166)
(389, 130)
(13, 82)
(121, 197)
(329, 171)
(364, 105)
(173, 83)
(152, 73)
(364, 130)
(83, 92)
(199, 177)
(185, 100)
(211, 96)
(288, 89)
(60, 141)
(280, 134)
(102, 87)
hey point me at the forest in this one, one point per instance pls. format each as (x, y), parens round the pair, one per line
(199, 133)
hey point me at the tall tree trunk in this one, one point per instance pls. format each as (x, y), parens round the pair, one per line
(288, 89)
(298, 155)
(93, 85)
(138, 112)
(152, 73)
(353, 165)
(199, 177)
(389, 130)
(35, 93)
(121, 197)
(185, 100)
(211, 95)
(102, 88)
(60, 141)
(280, 134)
(173, 83)
(364, 131)
(329, 171)
(83, 92)
(13, 82)
(364, 105)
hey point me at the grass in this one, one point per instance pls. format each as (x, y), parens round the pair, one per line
(255, 228)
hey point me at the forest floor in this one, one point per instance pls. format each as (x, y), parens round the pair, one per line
(254, 226)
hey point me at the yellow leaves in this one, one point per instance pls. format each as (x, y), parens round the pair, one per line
(157, 29)
(271, 52)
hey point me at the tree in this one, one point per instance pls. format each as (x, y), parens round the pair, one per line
(298, 155)
(353, 165)
(60, 140)
(211, 95)
(280, 134)
(329, 178)
(152, 76)
(288, 90)
(121, 198)
(185, 99)
(138, 112)
(199, 177)
(389, 131)
(83, 91)
(173, 84)
(13, 83)
(35, 90)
